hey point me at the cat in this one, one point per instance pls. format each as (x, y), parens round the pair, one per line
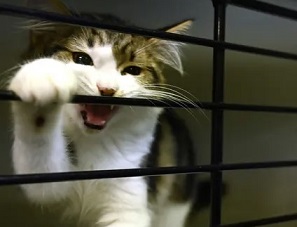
(52, 135)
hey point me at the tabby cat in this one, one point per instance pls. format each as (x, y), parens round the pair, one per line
(51, 135)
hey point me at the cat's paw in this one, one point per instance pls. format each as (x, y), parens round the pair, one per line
(44, 81)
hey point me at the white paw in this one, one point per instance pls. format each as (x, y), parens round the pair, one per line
(44, 81)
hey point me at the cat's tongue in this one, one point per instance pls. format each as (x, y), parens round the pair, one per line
(96, 115)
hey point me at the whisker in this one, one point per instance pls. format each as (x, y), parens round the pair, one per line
(144, 48)
(85, 86)
(86, 91)
(158, 95)
(176, 92)
(150, 98)
(7, 74)
(140, 95)
(144, 95)
(182, 105)
(181, 89)
(37, 25)
(132, 109)
(179, 95)
(10, 69)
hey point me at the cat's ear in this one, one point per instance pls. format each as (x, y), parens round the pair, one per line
(42, 31)
(55, 5)
(60, 7)
(178, 28)
(168, 52)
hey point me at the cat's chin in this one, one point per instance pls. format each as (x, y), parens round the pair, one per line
(96, 117)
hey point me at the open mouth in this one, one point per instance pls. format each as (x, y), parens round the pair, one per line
(97, 116)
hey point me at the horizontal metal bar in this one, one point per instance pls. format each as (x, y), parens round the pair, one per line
(10, 96)
(265, 8)
(120, 173)
(264, 221)
(43, 15)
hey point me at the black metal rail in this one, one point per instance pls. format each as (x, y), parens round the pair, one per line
(119, 173)
(43, 15)
(217, 123)
(217, 106)
(9, 96)
(264, 221)
(267, 8)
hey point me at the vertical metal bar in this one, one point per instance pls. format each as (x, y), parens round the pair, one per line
(217, 115)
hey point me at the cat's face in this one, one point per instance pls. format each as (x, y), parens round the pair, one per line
(109, 64)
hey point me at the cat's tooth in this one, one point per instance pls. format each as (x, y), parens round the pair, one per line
(111, 107)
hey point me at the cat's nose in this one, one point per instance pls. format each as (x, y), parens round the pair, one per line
(104, 91)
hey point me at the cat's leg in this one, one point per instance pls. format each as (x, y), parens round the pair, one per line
(124, 204)
(39, 146)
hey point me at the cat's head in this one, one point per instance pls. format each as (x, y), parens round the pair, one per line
(109, 63)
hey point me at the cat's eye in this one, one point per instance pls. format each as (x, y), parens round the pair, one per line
(132, 70)
(82, 58)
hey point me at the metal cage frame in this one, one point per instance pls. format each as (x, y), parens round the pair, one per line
(217, 106)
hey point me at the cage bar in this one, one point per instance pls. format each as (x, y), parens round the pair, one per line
(265, 8)
(217, 122)
(10, 96)
(157, 171)
(217, 105)
(43, 15)
(264, 221)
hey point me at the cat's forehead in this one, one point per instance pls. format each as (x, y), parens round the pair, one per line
(124, 47)
(85, 38)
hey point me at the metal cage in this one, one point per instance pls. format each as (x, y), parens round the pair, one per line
(217, 106)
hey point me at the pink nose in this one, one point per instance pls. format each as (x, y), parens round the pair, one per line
(106, 91)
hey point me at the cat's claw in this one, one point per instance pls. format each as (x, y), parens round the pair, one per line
(44, 81)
